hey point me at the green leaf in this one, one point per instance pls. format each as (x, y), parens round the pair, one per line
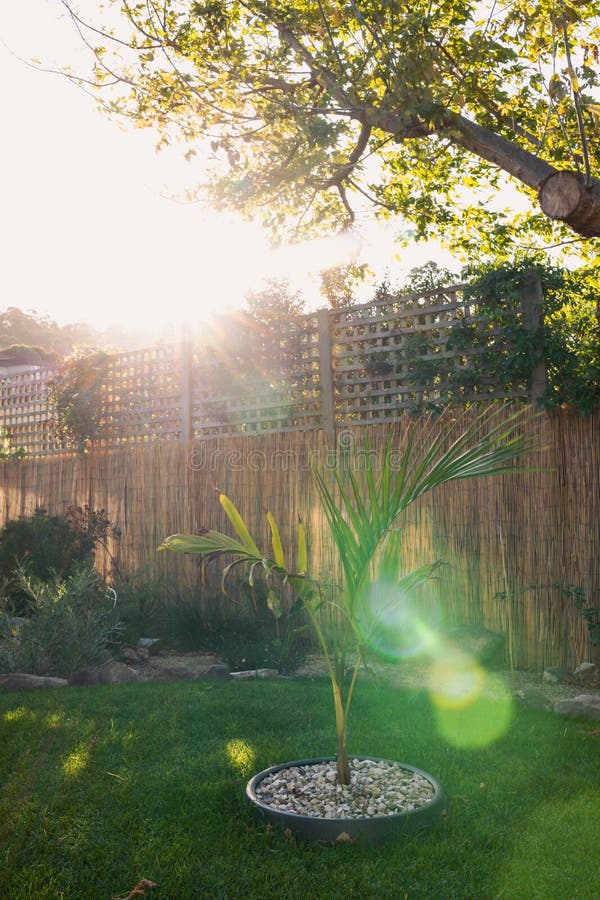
(239, 525)
(276, 541)
(208, 542)
(302, 561)
(274, 604)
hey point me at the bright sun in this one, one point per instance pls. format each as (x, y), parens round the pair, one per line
(89, 229)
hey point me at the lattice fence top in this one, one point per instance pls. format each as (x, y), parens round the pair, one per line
(254, 379)
(393, 355)
(25, 416)
(142, 397)
(360, 364)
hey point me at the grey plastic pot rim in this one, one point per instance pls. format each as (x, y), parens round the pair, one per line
(369, 828)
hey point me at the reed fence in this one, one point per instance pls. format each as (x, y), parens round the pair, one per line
(325, 370)
(512, 545)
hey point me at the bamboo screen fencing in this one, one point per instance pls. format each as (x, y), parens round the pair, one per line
(525, 537)
(324, 370)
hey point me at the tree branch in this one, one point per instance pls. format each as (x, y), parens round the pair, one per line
(508, 156)
(347, 168)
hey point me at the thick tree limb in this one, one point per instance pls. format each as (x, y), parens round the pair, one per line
(566, 196)
(508, 156)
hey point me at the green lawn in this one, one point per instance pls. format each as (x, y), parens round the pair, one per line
(105, 786)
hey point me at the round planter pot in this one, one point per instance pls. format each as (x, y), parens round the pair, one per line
(368, 828)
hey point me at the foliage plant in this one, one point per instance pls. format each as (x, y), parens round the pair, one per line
(589, 613)
(362, 510)
(421, 108)
(46, 546)
(139, 602)
(96, 529)
(75, 394)
(498, 346)
(244, 642)
(71, 624)
(7, 451)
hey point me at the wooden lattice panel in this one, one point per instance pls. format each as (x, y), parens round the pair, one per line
(366, 363)
(392, 355)
(259, 380)
(25, 417)
(142, 397)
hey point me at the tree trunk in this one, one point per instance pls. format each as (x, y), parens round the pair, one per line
(343, 765)
(566, 196)
(342, 762)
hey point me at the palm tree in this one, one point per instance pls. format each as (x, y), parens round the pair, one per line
(362, 510)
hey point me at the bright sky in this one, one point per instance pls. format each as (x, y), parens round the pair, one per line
(88, 229)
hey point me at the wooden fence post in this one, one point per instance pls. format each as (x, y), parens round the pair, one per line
(186, 358)
(326, 376)
(532, 297)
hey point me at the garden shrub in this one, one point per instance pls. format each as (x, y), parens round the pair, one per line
(48, 546)
(76, 396)
(71, 625)
(249, 637)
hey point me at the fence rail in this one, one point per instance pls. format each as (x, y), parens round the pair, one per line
(331, 368)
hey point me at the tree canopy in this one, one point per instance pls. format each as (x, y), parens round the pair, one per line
(274, 301)
(20, 330)
(422, 109)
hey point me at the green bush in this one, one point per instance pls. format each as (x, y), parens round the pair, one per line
(47, 547)
(566, 339)
(71, 625)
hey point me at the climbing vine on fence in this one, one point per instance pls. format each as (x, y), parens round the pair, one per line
(503, 341)
(7, 451)
(75, 395)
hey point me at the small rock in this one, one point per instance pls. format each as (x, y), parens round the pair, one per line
(18, 681)
(586, 672)
(245, 675)
(218, 670)
(110, 672)
(267, 673)
(152, 645)
(130, 654)
(584, 706)
(556, 675)
(143, 653)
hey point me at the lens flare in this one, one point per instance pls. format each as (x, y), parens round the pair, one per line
(455, 680)
(21, 713)
(392, 624)
(473, 708)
